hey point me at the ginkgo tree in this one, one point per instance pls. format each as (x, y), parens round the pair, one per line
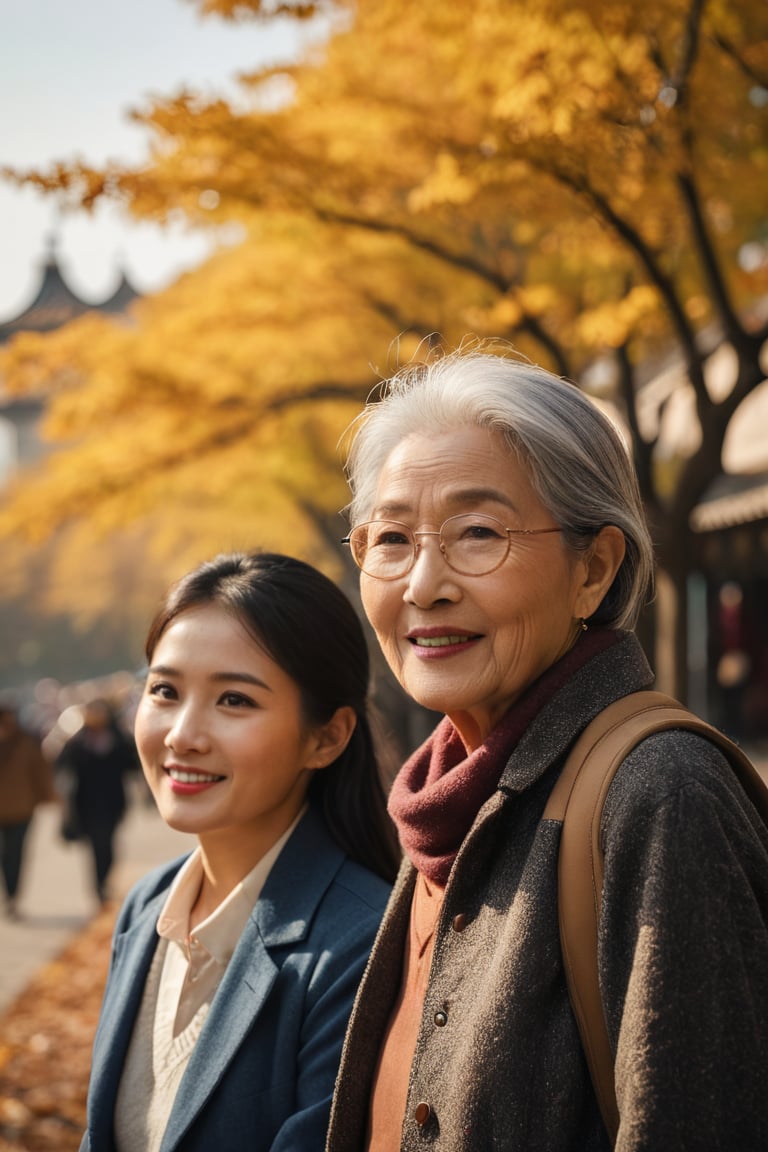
(584, 180)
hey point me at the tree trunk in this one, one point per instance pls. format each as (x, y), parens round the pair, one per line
(670, 651)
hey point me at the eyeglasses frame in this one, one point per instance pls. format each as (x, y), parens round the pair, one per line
(439, 533)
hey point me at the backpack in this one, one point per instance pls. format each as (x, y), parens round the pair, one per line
(577, 801)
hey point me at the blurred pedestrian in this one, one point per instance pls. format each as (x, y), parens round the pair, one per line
(94, 764)
(26, 780)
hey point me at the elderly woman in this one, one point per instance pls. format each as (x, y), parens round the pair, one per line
(504, 559)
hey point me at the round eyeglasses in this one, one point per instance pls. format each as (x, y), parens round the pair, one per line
(472, 544)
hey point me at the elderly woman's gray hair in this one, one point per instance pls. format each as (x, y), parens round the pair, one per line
(576, 460)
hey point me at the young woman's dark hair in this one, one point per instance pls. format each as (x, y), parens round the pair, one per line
(310, 629)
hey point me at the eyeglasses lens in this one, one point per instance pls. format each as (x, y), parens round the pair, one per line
(471, 544)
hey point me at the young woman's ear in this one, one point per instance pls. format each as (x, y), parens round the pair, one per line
(330, 739)
(602, 562)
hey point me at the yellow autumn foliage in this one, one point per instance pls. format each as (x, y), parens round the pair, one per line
(579, 179)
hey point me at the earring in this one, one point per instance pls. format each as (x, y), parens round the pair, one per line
(584, 625)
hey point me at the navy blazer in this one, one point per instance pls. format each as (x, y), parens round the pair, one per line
(261, 1075)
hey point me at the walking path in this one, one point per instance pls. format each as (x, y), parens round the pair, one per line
(56, 899)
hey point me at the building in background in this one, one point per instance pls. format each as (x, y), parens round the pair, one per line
(729, 602)
(728, 564)
(54, 305)
(43, 647)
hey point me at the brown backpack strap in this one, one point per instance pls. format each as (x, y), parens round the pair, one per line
(580, 792)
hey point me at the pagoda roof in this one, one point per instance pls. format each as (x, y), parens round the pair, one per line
(732, 500)
(124, 294)
(56, 304)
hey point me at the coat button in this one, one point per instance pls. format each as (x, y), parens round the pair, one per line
(422, 1113)
(459, 922)
(441, 1019)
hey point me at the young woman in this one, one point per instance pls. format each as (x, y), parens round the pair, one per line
(234, 970)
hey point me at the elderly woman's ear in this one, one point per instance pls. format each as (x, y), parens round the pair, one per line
(601, 561)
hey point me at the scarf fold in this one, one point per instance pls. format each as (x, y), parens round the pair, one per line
(441, 788)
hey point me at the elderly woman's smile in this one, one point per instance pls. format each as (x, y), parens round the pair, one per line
(468, 645)
(429, 640)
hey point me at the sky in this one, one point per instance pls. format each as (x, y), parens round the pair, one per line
(69, 72)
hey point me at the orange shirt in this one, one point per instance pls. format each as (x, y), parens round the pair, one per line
(390, 1085)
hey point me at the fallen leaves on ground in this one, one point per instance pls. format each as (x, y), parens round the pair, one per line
(45, 1046)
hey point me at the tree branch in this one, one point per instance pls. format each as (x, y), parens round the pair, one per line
(706, 254)
(643, 449)
(761, 80)
(535, 329)
(663, 283)
(423, 243)
(690, 46)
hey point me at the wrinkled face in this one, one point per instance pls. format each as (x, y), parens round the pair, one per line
(469, 645)
(220, 733)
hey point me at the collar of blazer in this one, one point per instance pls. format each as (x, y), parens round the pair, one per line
(281, 917)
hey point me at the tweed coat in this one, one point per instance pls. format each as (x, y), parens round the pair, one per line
(261, 1074)
(683, 957)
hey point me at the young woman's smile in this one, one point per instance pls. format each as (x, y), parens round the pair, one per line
(188, 783)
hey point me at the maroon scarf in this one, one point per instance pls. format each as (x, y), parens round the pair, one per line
(440, 789)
